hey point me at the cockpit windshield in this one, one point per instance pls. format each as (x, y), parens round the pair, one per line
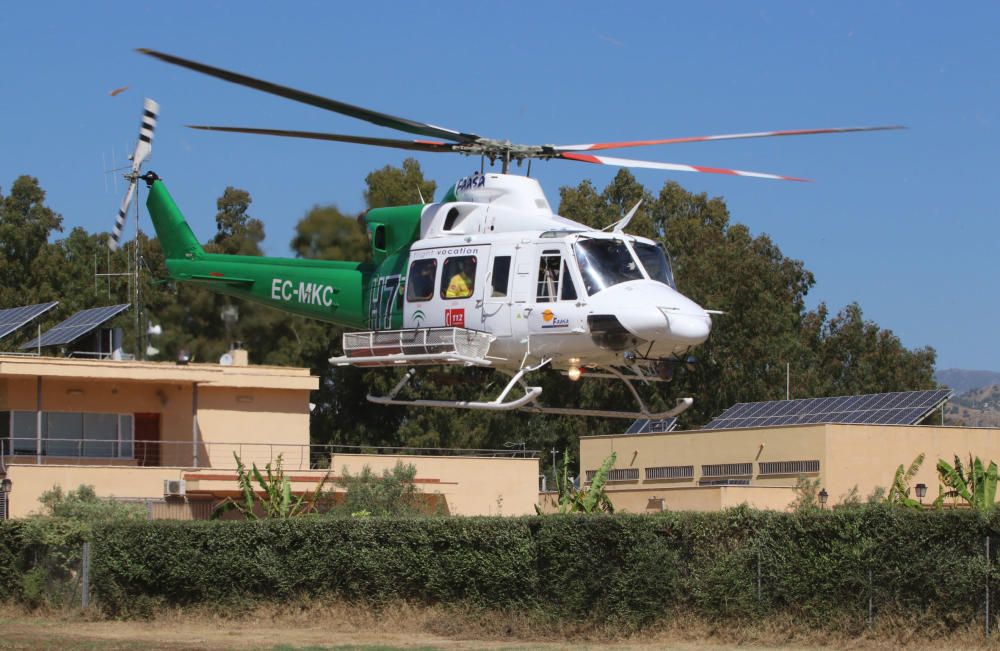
(656, 262)
(604, 263)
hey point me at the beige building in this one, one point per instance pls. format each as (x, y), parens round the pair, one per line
(165, 435)
(707, 470)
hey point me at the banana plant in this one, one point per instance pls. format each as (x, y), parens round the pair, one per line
(274, 498)
(977, 486)
(899, 491)
(586, 500)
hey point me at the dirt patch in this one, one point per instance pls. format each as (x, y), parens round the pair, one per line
(403, 626)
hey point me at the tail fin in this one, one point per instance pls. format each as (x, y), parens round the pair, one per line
(176, 237)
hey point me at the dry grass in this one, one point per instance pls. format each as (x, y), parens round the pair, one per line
(404, 625)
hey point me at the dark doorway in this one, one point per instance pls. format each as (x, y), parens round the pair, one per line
(147, 439)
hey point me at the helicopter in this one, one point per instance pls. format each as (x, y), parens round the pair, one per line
(489, 276)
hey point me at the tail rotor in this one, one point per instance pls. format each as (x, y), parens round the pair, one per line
(150, 111)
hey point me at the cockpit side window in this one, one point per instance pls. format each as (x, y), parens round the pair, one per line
(568, 287)
(656, 262)
(554, 280)
(548, 277)
(605, 263)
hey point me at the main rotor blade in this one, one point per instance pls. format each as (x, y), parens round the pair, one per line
(381, 119)
(675, 167)
(415, 145)
(728, 136)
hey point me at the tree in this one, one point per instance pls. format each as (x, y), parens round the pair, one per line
(394, 186)
(325, 233)
(850, 355)
(394, 493)
(237, 233)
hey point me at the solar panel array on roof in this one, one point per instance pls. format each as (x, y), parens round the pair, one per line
(900, 408)
(76, 326)
(651, 426)
(13, 318)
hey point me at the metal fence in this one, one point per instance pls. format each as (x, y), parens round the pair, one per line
(222, 455)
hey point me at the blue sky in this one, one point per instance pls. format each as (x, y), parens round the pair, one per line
(902, 222)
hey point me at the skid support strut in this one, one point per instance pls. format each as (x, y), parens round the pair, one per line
(527, 401)
(530, 394)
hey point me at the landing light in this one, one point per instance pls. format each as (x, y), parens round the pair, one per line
(574, 369)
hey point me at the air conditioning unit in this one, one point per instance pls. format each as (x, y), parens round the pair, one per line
(174, 487)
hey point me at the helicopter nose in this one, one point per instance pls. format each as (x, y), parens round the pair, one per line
(673, 317)
(690, 328)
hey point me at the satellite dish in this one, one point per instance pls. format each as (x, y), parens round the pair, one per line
(226, 360)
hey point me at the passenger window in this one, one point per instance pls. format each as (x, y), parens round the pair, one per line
(420, 284)
(548, 278)
(501, 276)
(568, 288)
(459, 277)
(380, 238)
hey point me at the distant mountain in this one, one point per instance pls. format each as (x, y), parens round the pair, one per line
(962, 381)
(976, 408)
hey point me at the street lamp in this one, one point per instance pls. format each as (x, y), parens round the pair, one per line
(921, 491)
(823, 497)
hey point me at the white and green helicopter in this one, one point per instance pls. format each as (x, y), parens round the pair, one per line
(489, 276)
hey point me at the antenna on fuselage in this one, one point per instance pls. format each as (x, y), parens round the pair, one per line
(622, 223)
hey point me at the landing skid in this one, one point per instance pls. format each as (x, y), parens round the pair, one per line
(526, 402)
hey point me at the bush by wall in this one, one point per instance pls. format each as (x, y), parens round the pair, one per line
(819, 567)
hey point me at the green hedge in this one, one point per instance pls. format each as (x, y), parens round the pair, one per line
(12, 559)
(818, 567)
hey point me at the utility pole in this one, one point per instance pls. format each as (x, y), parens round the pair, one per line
(555, 474)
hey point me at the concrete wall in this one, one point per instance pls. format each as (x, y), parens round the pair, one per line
(850, 456)
(471, 485)
(867, 456)
(258, 424)
(29, 482)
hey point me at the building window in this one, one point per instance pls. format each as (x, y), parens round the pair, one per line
(670, 472)
(617, 474)
(69, 434)
(23, 432)
(727, 470)
(788, 467)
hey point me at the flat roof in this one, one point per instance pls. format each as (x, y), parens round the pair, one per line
(213, 375)
(760, 428)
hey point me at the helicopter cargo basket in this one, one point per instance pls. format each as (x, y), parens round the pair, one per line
(417, 346)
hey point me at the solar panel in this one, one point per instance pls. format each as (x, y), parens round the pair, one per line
(76, 326)
(897, 408)
(15, 317)
(652, 426)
